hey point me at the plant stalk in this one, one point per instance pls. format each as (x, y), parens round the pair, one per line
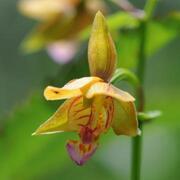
(137, 141)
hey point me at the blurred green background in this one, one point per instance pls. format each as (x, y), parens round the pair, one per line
(23, 108)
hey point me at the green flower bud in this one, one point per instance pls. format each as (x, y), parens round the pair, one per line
(101, 50)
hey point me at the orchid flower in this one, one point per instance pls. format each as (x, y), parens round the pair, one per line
(60, 23)
(93, 105)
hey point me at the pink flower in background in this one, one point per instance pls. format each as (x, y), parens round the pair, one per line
(63, 51)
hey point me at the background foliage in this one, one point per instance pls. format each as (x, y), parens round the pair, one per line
(23, 108)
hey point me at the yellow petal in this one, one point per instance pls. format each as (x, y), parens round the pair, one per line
(70, 116)
(101, 88)
(121, 112)
(57, 122)
(54, 93)
(125, 119)
(72, 89)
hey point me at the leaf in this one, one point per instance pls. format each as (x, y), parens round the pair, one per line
(172, 21)
(159, 33)
(150, 115)
(122, 20)
(127, 45)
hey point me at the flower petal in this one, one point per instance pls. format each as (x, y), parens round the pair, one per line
(82, 82)
(70, 116)
(80, 152)
(101, 88)
(100, 119)
(54, 93)
(46, 9)
(56, 123)
(125, 119)
(73, 88)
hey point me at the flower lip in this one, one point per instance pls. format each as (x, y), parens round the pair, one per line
(80, 152)
(87, 135)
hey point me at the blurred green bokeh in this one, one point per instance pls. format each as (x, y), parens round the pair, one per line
(23, 109)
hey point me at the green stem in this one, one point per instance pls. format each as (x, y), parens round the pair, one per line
(142, 56)
(136, 156)
(137, 141)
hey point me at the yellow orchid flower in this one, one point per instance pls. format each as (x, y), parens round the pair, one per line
(93, 105)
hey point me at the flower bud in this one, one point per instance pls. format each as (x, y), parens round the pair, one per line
(101, 50)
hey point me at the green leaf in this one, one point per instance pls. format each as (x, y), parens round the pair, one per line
(122, 20)
(127, 44)
(159, 33)
(172, 21)
(125, 74)
(146, 116)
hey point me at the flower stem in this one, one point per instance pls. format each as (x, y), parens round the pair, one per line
(137, 141)
(136, 156)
